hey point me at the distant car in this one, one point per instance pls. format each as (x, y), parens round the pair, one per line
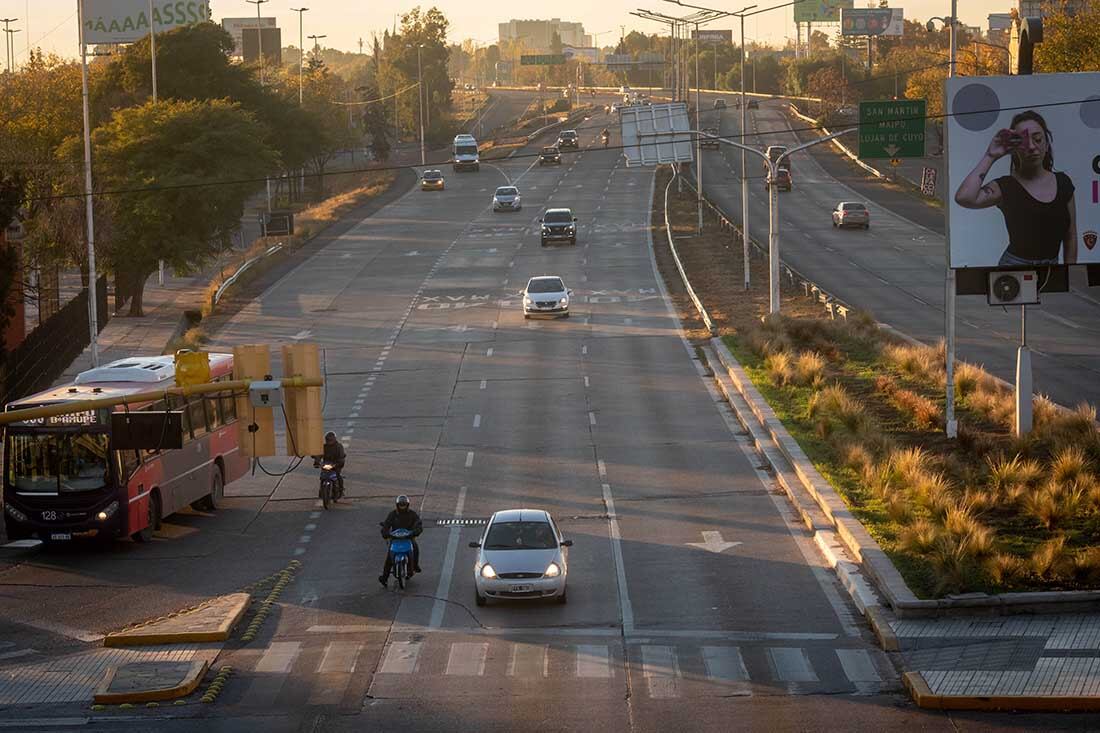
(568, 139)
(709, 142)
(521, 554)
(624, 90)
(550, 156)
(558, 225)
(851, 214)
(432, 181)
(782, 180)
(546, 295)
(719, 104)
(752, 104)
(507, 198)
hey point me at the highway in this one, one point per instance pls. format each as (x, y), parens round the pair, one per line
(895, 270)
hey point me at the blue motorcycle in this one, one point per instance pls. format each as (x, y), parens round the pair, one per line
(401, 547)
(330, 489)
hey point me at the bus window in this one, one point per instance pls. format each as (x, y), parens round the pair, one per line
(130, 460)
(196, 408)
(58, 462)
(213, 412)
(229, 407)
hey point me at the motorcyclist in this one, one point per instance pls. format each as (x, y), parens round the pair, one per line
(402, 517)
(335, 455)
(605, 136)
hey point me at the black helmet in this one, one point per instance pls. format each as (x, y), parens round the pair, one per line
(329, 435)
(402, 500)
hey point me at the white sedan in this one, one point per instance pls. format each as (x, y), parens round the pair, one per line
(521, 555)
(546, 295)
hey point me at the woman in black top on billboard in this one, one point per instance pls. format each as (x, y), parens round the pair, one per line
(1037, 203)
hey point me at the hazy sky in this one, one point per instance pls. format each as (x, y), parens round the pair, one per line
(52, 23)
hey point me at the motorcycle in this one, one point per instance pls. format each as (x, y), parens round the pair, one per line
(401, 547)
(605, 138)
(330, 490)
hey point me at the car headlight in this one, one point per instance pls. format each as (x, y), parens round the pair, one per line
(527, 301)
(564, 301)
(108, 512)
(552, 571)
(15, 513)
(488, 572)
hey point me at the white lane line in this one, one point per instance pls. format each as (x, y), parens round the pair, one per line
(340, 656)
(278, 658)
(602, 468)
(858, 665)
(304, 539)
(591, 418)
(528, 660)
(661, 671)
(489, 351)
(883, 280)
(495, 324)
(584, 349)
(469, 458)
(310, 527)
(349, 629)
(299, 551)
(626, 611)
(401, 657)
(482, 386)
(1059, 319)
(467, 658)
(724, 665)
(593, 660)
(477, 421)
(586, 382)
(790, 664)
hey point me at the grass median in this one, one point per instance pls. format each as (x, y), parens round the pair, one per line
(986, 512)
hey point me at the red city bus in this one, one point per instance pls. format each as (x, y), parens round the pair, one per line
(64, 477)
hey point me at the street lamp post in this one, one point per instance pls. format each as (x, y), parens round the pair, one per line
(9, 57)
(89, 217)
(420, 96)
(259, 35)
(301, 53)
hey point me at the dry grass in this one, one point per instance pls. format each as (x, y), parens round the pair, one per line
(920, 362)
(920, 537)
(1005, 569)
(780, 367)
(832, 409)
(1052, 558)
(809, 369)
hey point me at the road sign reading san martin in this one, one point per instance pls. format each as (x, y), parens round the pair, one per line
(892, 129)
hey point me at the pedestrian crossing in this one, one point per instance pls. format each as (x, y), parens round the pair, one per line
(445, 664)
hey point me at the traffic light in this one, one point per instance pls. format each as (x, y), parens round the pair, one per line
(255, 424)
(304, 423)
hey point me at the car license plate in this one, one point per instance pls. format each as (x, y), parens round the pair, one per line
(520, 588)
(60, 536)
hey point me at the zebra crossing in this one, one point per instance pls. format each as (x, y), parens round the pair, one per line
(448, 664)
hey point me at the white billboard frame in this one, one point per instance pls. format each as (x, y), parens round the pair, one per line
(656, 133)
(895, 26)
(978, 110)
(127, 21)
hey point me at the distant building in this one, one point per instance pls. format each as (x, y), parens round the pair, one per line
(1037, 8)
(235, 27)
(539, 34)
(999, 26)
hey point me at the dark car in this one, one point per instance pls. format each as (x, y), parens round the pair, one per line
(752, 104)
(559, 225)
(709, 142)
(550, 156)
(719, 104)
(782, 180)
(568, 139)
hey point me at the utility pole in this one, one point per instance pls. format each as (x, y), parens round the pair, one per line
(9, 57)
(93, 302)
(420, 95)
(302, 54)
(259, 35)
(153, 60)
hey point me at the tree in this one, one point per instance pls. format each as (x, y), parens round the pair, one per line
(376, 125)
(11, 196)
(185, 170)
(1070, 42)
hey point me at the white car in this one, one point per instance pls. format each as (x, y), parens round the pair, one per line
(507, 198)
(546, 295)
(521, 555)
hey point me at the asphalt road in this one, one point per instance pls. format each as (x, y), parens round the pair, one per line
(895, 270)
(442, 391)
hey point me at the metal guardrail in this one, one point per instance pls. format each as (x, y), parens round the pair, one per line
(834, 305)
(240, 271)
(679, 266)
(840, 146)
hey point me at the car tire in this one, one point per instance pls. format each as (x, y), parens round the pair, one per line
(526, 316)
(564, 315)
(563, 598)
(480, 599)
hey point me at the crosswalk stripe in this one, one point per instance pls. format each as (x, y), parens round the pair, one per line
(467, 658)
(593, 661)
(790, 664)
(401, 657)
(660, 671)
(725, 664)
(528, 660)
(278, 658)
(858, 665)
(340, 656)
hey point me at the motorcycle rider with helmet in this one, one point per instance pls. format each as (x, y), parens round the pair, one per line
(402, 517)
(334, 454)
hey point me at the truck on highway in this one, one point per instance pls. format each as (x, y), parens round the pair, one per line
(464, 153)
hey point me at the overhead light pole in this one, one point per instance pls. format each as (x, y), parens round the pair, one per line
(93, 300)
(420, 96)
(259, 35)
(301, 54)
(9, 57)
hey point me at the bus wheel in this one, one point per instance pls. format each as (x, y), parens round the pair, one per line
(152, 515)
(213, 500)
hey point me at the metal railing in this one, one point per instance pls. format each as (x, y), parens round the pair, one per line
(680, 266)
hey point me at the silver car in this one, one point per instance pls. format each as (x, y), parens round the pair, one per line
(507, 198)
(546, 295)
(521, 555)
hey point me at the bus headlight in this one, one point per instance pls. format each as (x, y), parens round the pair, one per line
(108, 512)
(15, 513)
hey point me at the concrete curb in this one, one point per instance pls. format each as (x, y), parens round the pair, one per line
(924, 697)
(182, 689)
(212, 621)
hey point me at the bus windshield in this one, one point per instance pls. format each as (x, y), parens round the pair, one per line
(57, 462)
(466, 149)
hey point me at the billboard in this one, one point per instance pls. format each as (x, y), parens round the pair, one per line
(872, 21)
(656, 133)
(588, 55)
(126, 21)
(820, 11)
(713, 36)
(235, 27)
(272, 41)
(1023, 169)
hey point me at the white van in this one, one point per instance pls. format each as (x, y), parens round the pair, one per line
(464, 153)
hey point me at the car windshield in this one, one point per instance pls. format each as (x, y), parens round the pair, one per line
(465, 150)
(432, 176)
(569, 134)
(558, 217)
(854, 207)
(50, 463)
(549, 151)
(506, 191)
(521, 536)
(546, 285)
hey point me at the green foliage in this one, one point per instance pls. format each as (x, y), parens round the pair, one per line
(1070, 42)
(11, 196)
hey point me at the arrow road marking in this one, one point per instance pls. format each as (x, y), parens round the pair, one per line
(713, 542)
(303, 334)
(413, 253)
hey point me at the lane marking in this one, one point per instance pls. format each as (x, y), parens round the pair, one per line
(401, 657)
(477, 421)
(593, 660)
(278, 657)
(591, 418)
(439, 606)
(467, 659)
(482, 386)
(489, 351)
(529, 660)
(626, 611)
(790, 664)
(858, 665)
(661, 671)
(586, 382)
(340, 656)
(469, 458)
(602, 468)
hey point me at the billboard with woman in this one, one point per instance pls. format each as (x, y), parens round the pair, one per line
(1023, 170)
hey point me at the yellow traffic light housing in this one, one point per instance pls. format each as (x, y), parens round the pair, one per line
(192, 367)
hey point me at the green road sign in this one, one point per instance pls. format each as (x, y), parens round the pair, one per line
(891, 129)
(820, 11)
(546, 59)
